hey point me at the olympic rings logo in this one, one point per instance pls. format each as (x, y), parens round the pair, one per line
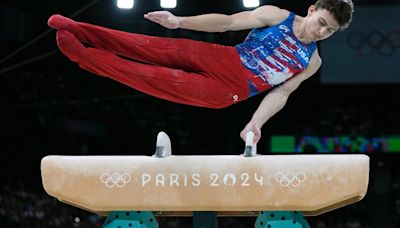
(115, 179)
(375, 42)
(290, 179)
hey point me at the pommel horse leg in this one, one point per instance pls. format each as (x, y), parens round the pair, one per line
(278, 219)
(130, 219)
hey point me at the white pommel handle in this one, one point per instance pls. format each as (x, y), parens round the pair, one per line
(249, 138)
(251, 148)
(163, 145)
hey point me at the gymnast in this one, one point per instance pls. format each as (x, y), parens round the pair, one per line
(277, 55)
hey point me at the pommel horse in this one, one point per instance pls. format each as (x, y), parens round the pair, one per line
(279, 189)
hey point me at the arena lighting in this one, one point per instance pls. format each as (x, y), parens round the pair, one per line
(125, 4)
(168, 4)
(251, 3)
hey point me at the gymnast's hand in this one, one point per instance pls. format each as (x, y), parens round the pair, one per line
(251, 126)
(164, 18)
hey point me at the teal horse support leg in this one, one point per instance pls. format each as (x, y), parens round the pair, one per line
(130, 219)
(145, 219)
(281, 219)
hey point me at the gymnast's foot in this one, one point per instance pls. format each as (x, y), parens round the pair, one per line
(69, 45)
(59, 22)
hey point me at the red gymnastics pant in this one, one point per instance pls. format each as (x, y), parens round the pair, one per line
(179, 70)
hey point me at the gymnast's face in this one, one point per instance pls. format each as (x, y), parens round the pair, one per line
(320, 24)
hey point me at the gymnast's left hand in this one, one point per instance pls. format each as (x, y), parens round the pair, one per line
(251, 126)
(164, 18)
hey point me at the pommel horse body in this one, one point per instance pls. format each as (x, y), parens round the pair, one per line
(281, 189)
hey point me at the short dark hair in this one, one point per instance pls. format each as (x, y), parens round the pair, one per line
(342, 10)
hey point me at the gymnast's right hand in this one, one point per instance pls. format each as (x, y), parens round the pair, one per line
(164, 18)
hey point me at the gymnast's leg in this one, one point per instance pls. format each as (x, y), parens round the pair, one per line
(171, 84)
(190, 55)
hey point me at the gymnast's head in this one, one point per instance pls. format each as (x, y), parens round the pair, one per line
(326, 17)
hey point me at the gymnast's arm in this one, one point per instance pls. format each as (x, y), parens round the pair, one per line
(276, 99)
(260, 17)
